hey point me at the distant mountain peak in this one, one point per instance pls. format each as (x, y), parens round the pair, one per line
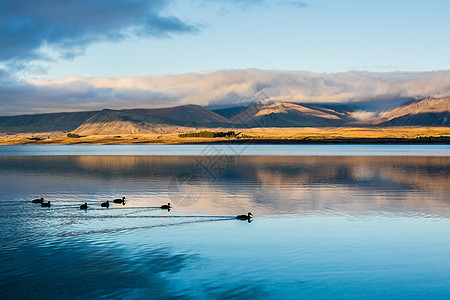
(263, 113)
(425, 112)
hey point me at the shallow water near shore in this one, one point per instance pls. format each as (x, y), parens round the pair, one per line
(346, 226)
(230, 149)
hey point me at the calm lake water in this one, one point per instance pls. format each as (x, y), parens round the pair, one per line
(331, 222)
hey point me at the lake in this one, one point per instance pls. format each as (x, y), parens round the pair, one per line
(330, 222)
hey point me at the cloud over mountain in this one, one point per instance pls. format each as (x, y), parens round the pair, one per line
(214, 88)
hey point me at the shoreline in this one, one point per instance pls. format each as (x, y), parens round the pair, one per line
(392, 141)
(311, 135)
(347, 141)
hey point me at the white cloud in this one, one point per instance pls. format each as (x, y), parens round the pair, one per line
(364, 115)
(215, 87)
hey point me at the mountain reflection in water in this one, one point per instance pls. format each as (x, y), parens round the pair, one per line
(324, 227)
(267, 184)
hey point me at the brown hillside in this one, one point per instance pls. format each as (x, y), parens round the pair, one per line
(283, 114)
(425, 112)
(185, 114)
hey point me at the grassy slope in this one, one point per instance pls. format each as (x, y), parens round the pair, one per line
(291, 134)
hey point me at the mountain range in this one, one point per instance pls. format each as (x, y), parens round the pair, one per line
(421, 112)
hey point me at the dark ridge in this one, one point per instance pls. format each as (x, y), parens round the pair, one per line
(229, 112)
(423, 119)
(340, 108)
(186, 114)
(108, 115)
(409, 102)
(44, 122)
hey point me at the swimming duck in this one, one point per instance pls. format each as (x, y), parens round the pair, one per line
(84, 206)
(166, 206)
(38, 200)
(120, 200)
(246, 217)
(105, 204)
(45, 204)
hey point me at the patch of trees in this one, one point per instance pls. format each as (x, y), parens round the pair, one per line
(209, 134)
(73, 135)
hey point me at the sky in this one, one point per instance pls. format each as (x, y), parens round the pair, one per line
(64, 55)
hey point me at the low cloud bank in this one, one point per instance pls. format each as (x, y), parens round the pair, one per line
(214, 88)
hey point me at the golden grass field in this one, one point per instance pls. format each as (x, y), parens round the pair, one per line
(291, 134)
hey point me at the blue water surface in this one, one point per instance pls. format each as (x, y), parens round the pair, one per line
(324, 227)
(230, 149)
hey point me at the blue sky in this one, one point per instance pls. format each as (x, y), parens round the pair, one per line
(51, 39)
(314, 35)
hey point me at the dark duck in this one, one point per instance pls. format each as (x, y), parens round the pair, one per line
(166, 206)
(45, 204)
(41, 200)
(120, 201)
(246, 217)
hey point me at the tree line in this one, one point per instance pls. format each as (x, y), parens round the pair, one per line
(209, 134)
